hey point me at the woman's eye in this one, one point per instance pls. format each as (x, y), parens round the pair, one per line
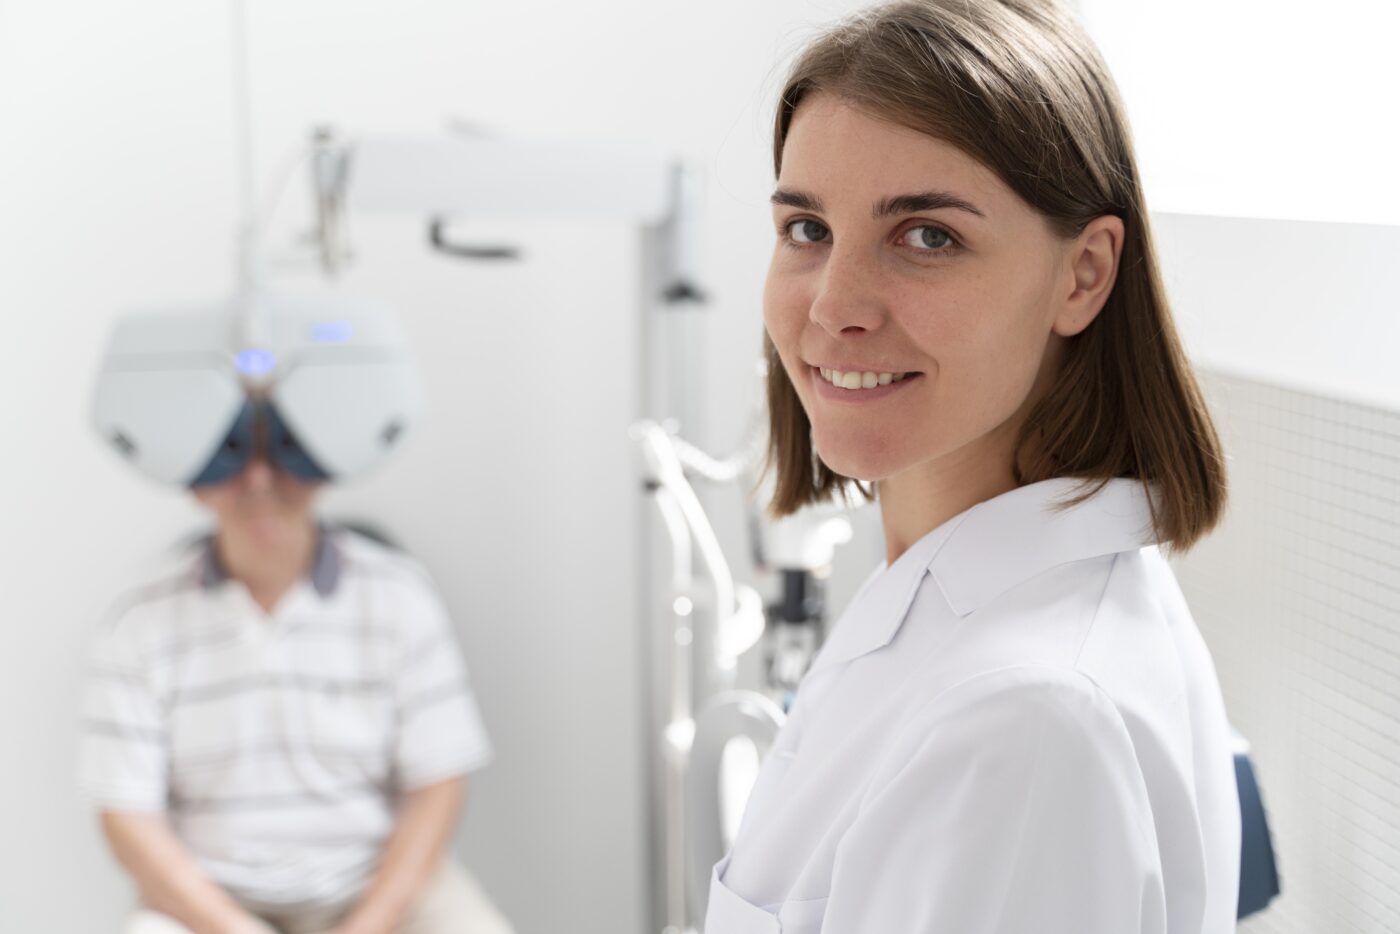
(927, 238)
(806, 231)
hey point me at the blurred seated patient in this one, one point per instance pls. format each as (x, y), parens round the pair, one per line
(278, 728)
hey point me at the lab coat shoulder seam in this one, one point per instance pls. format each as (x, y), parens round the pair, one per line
(1054, 711)
(1069, 674)
(1066, 678)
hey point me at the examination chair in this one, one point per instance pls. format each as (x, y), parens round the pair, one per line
(1258, 873)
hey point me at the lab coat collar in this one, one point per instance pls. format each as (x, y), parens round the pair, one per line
(874, 616)
(1013, 537)
(985, 551)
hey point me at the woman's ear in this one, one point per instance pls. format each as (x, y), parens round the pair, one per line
(1092, 267)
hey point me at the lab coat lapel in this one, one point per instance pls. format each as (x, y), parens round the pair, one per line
(873, 617)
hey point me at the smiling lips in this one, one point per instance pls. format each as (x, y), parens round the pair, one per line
(856, 380)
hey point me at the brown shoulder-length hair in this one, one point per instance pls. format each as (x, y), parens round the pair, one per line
(1018, 86)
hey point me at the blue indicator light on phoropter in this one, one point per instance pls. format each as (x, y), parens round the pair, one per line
(331, 332)
(254, 362)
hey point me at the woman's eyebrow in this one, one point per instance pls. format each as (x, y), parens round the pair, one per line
(797, 199)
(922, 201)
(887, 207)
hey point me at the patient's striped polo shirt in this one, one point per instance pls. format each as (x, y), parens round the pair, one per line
(277, 743)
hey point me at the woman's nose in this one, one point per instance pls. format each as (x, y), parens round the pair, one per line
(848, 299)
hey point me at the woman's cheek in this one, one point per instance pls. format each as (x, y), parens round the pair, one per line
(781, 311)
(783, 318)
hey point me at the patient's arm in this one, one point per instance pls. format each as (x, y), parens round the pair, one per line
(427, 818)
(169, 879)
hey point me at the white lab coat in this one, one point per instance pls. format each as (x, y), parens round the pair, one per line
(1016, 728)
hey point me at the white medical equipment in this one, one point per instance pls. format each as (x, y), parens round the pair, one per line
(189, 395)
(173, 391)
(172, 384)
(469, 175)
(180, 392)
(716, 735)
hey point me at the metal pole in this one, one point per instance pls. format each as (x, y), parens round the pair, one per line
(670, 374)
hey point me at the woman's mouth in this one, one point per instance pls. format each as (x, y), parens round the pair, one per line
(859, 385)
(858, 379)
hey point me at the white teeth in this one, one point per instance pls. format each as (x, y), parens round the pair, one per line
(858, 380)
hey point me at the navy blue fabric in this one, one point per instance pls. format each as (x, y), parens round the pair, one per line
(1258, 873)
(234, 452)
(286, 452)
(240, 445)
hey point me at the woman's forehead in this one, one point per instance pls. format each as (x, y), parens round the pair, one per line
(834, 150)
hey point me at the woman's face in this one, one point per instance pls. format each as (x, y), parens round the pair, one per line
(913, 297)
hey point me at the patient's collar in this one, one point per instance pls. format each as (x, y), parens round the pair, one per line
(326, 564)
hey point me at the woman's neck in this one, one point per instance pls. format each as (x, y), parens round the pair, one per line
(911, 506)
(922, 498)
(268, 565)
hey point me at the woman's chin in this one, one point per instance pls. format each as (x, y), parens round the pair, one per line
(866, 466)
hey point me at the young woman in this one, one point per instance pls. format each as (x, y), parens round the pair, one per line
(1016, 727)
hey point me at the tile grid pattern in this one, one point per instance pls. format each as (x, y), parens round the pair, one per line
(1298, 596)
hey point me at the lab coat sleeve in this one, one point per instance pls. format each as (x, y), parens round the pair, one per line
(1018, 808)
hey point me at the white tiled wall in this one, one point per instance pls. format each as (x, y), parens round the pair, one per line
(1298, 596)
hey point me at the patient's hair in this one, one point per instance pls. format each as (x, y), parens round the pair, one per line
(1018, 86)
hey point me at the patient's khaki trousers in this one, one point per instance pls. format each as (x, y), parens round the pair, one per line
(452, 903)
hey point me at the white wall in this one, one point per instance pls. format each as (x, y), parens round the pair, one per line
(1259, 108)
(1267, 110)
(1305, 304)
(117, 188)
